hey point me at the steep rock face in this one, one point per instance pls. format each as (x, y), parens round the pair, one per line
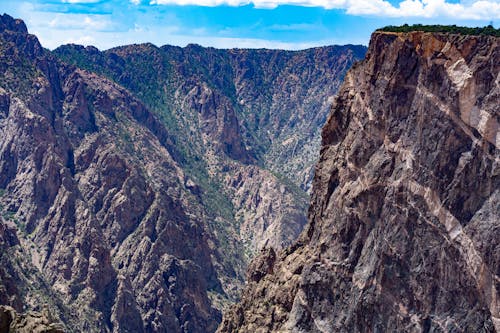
(217, 121)
(236, 114)
(404, 222)
(285, 98)
(32, 305)
(111, 236)
(264, 206)
(9, 287)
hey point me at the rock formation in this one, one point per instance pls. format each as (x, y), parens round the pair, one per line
(102, 208)
(405, 218)
(32, 322)
(132, 188)
(235, 115)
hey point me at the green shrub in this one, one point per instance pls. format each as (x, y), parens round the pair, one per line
(453, 29)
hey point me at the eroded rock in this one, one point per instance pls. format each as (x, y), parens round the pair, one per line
(404, 203)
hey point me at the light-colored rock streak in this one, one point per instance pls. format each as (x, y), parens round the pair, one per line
(477, 268)
(459, 73)
(485, 124)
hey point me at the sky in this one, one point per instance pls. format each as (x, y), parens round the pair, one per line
(284, 24)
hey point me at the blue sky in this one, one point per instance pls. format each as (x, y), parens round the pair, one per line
(287, 24)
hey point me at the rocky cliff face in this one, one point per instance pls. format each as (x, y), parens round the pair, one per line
(405, 218)
(104, 212)
(236, 115)
(132, 188)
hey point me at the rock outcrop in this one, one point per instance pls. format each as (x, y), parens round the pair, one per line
(32, 322)
(405, 219)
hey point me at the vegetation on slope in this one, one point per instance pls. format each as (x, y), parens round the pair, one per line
(487, 30)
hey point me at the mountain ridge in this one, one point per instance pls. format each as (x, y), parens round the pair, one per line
(218, 84)
(179, 57)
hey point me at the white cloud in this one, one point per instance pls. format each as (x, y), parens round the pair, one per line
(467, 9)
(80, 21)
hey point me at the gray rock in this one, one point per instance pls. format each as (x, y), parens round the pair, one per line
(405, 218)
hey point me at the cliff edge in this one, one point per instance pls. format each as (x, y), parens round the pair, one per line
(405, 218)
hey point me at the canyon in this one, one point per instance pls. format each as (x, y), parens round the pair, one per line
(137, 183)
(166, 189)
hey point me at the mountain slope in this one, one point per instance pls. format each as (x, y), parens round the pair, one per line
(268, 91)
(405, 218)
(104, 210)
(132, 191)
(236, 115)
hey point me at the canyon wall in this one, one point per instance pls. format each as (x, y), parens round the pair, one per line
(404, 222)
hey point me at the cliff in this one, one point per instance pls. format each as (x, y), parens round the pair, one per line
(110, 236)
(404, 222)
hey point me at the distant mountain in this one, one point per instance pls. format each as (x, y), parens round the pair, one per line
(245, 122)
(136, 183)
(404, 224)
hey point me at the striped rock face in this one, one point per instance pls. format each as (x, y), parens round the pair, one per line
(405, 219)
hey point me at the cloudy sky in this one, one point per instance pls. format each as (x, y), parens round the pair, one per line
(289, 24)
